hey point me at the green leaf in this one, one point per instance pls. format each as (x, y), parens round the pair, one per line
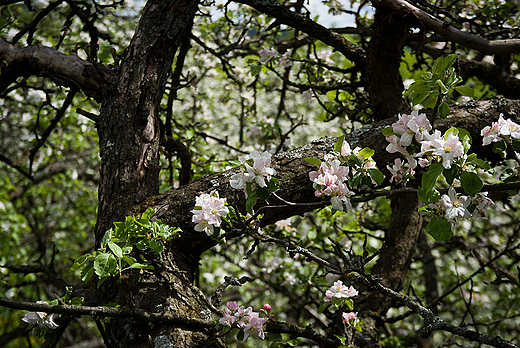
(444, 110)
(141, 266)
(465, 138)
(323, 306)
(472, 159)
(516, 145)
(292, 343)
(255, 69)
(274, 336)
(262, 193)
(349, 303)
(388, 131)
(156, 246)
(105, 265)
(429, 179)
(147, 215)
(106, 237)
(428, 197)
(80, 261)
(500, 147)
(451, 174)
(87, 273)
(116, 249)
(240, 335)
(339, 144)
(431, 100)
(130, 260)
(440, 229)
(376, 175)
(465, 90)
(251, 202)
(366, 153)
(313, 161)
(471, 183)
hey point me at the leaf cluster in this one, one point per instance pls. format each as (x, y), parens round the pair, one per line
(435, 85)
(114, 255)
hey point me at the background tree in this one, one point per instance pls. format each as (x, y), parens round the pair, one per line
(169, 93)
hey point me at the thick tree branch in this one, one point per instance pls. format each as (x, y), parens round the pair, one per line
(450, 33)
(64, 70)
(297, 21)
(174, 206)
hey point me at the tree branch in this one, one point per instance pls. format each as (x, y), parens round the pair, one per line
(135, 313)
(64, 70)
(450, 33)
(285, 16)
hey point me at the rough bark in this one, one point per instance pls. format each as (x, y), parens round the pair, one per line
(64, 70)
(129, 137)
(384, 83)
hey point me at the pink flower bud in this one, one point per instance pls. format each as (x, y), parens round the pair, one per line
(267, 307)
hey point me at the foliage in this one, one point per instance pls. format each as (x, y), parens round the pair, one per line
(114, 256)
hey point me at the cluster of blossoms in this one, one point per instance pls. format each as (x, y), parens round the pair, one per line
(501, 130)
(44, 320)
(339, 290)
(350, 318)
(401, 171)
(246, 319)
(330, 180)
(267, 53)
(338, 293)
(208, 212)
(415, 126)
(255, 169)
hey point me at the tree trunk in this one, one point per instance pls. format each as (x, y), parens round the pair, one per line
(129, 137)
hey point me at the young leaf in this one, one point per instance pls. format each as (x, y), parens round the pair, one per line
(116, 249)
(429, 179)
(471, 183)
(465, 90)
(440, 229)
(105, 265)
(339, 143)
(472, 159)
(366, 152)
(313, 161)
(451, 174)
(106, 237)
(147, 215)
(80, 261)
(444, 110)
(87, 273)
(156, 246)
(388, 131)
(376, 175)
(251, 202)
(516, 145)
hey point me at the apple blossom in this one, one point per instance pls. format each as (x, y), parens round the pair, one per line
(449, 149)
(208, 212)
(350, 318)
(500, 130)
(454, 206)
(246, 319)
(256, 171)
(45, 321)
(338, 290)
(266, 54)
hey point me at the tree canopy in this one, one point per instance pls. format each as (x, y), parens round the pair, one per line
(259, 173)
